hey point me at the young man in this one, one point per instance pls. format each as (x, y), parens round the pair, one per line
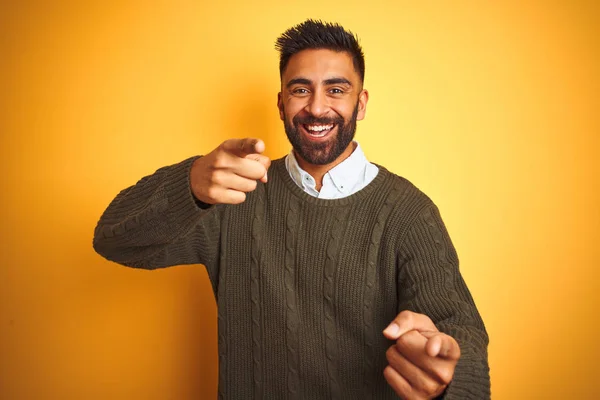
(334, 278)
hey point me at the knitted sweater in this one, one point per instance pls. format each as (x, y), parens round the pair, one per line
(305, 286)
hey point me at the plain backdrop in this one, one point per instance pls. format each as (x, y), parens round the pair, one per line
(491, 108)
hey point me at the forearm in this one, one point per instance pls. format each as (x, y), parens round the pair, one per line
(430, 283)
(156, 222)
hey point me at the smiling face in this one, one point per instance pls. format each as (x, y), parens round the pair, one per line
(320, 101)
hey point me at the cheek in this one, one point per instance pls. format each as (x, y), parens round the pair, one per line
(293, 105)
(344, 107)
(344, 112)
(292, 108)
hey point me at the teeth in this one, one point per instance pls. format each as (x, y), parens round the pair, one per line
(319, 134)
(318, 128)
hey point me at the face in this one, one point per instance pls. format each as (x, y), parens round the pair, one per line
(320, 101)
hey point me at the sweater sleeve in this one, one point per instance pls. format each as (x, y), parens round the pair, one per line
(430, 283)
(158, 223)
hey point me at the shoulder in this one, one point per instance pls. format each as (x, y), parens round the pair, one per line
(407, 195)
(410, 209)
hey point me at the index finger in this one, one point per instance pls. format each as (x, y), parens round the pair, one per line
(244, 147)
(414, 345)
(442, 345)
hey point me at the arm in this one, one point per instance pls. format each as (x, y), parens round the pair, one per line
(172, 217)
(158, 223)
(430, 283)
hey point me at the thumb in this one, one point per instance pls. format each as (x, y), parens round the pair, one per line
(408, 321)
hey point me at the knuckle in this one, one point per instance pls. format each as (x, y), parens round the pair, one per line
(432, 387)
(406, 316)
(220, 161)
(212, 193)
(386, 371)
(265, 161)
(224, 145)
(238, 197)
(256, 171)
(217, 177)
(388, 374)
(251, 185)
(429, 388)
(445, 375)
(426, 386)
(406, 340)
(390, 354)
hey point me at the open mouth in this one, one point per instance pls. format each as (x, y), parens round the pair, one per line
(318, 131)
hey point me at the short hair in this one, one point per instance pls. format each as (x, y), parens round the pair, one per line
(315, 34)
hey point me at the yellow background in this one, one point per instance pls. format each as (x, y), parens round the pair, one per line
(491, 108)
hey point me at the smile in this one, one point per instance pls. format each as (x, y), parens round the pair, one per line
(318, 131)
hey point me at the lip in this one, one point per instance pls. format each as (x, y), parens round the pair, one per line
(308, 135)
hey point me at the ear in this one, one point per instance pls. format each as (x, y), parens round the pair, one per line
(363, 98)
(280, 106)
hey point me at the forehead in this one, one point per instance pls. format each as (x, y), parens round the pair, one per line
(319, 64)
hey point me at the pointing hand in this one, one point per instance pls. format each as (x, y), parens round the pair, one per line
(423, 359)
(225, 175)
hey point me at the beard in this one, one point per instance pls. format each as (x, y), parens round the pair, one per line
(325, 152)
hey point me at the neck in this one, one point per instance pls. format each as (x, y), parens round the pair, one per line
(319, 171)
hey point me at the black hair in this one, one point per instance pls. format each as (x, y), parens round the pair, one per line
(315, 34)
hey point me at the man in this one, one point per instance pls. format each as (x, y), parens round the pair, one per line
(334, 278)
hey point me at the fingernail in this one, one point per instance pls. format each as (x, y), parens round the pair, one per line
(392, 329)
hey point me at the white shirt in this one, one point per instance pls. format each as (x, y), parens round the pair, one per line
(346, 178)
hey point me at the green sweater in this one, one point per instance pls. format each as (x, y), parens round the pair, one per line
(305, 286)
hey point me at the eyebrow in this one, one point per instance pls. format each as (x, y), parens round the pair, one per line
(327, 82)
(337, 81)
(298, 81)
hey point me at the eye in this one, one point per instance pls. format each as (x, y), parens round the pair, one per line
(300, 91)
(336, 91)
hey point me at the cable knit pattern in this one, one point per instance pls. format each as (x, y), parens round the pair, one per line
(257, 228)
(305, 286)
(337, 231)
(292, 318)
(370, 333)
(222, 327)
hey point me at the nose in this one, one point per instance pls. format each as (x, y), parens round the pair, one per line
(318, 104)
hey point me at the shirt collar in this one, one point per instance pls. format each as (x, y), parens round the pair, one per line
(302, 178)
(344, 176)
(348, 173)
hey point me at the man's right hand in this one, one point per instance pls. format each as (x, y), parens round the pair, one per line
(229, 172)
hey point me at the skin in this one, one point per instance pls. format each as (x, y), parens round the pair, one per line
(422, 360)
(227, 173)
(323, 84)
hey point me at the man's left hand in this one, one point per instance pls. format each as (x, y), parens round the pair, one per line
(422, 361)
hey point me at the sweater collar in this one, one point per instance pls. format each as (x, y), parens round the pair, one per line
(344, 177)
